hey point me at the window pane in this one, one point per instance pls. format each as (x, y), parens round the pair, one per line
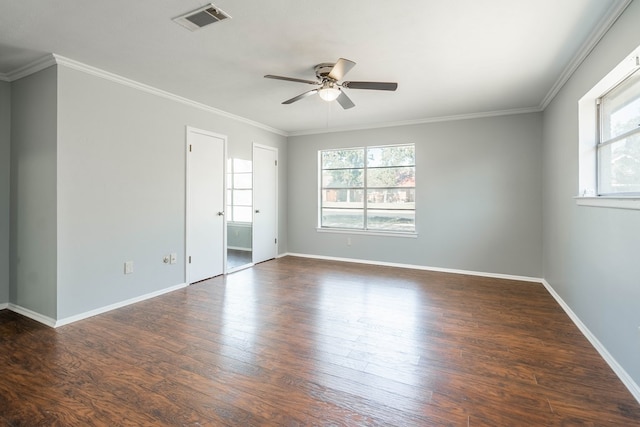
(343, 218)
(241, 165)
(395, 198)
(341, 178)
(349, 158)
(242, 213)
(242, 180)
(389, 189)
(620, 166)
(391, 177)
(242, 197)
(342, 198)
(398, 155)
(391, 220)
(621, 108)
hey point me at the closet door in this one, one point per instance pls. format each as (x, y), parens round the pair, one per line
(265, 203)
(205, 205)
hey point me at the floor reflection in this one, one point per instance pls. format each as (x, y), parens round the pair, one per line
(237, 258)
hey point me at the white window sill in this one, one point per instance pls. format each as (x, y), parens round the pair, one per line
(609, 202)
(367, 233)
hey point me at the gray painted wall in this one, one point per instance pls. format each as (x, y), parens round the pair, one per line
(478, 196)
(33, 192)
(121, 187)
(591, 254)
(239, 236)
(5, 162)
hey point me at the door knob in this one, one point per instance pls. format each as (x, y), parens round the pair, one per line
(220, 213)
(257, 210)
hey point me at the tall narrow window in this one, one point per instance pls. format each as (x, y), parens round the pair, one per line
(619, 139)
(368, 189)
(239, 190)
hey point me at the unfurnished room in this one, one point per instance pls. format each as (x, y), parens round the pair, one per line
(338, 213)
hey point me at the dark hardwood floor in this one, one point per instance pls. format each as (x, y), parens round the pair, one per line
(295, 342)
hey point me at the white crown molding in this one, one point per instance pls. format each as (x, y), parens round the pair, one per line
(600, 348)
(585, 49)
(605, 24)
(70, 63)
(53, 59)
(31, 68)
(469, 116)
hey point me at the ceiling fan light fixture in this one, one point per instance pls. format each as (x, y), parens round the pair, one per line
(327, 77)
(328, 92)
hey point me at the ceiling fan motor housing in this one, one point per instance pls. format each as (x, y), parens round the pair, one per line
(328, 74)
(323, 70)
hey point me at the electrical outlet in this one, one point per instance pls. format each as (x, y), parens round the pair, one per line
(128, 267)
(173, 257)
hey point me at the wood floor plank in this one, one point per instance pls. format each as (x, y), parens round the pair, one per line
(298, 342)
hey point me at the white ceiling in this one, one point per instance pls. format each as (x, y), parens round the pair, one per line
(453, 58)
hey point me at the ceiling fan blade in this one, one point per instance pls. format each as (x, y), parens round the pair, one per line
(341, 68)
(345, 101)
(299, 97)
(371, 85)
(291, 79)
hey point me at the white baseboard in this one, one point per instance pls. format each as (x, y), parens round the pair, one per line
(4, 305)
(420, 267)
(61, 322)
(45, 320)
(117, 305)
(600, 348)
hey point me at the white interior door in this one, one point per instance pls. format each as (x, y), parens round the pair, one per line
(205, 205)
(265, 203)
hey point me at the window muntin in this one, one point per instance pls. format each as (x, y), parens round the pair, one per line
(619, 139)
(239, 190)
(385, 174)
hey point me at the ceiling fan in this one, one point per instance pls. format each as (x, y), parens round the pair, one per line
(328, 75)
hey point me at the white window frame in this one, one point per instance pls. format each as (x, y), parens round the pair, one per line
(376, 232)
(588, 137)
(231, 191)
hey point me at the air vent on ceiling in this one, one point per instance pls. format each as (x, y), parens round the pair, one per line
(202, 17)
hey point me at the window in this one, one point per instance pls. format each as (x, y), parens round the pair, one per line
(619, 139)
(368, 189)
(239, 190)
(609, 139)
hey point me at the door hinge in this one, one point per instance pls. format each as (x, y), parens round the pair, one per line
(189, 259)
(276, 241)
(189, 147)
(276, 163)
